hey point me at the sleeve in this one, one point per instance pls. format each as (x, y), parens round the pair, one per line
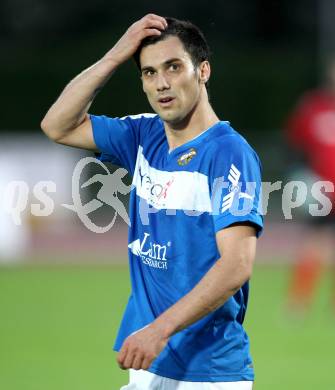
(236, 186)
(118, 139)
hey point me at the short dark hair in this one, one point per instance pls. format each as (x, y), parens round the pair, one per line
(190, 35)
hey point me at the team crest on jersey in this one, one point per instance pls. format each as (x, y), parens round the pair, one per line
(187, 157)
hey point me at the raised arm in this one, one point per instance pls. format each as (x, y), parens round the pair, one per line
(67, 121)
(237, 245)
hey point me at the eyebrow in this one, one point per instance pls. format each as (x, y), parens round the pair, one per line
(167, 62)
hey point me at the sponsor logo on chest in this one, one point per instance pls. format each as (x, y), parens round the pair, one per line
(151, 253)
(176, 190)
(155, 188)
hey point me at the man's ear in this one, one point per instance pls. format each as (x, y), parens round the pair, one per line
(204, 71)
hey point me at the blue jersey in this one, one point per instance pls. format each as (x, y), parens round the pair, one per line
(179, 200)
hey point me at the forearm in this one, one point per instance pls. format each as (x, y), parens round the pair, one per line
(222, 281)
(70, 109)
(72, 105)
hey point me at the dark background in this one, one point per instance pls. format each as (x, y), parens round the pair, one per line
(264, 56)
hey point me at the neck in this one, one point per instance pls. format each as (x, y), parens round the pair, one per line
(198, 120)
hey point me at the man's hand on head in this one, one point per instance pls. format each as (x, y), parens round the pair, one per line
(141, 348)
(127, 45)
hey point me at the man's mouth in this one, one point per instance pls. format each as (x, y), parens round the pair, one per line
(165, 101)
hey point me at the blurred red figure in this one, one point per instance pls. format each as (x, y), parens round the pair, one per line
(311, 133)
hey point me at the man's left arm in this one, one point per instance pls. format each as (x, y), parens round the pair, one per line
(237, 246)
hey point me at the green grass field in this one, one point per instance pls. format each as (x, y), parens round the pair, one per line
(58, 323)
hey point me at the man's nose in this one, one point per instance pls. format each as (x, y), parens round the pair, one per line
(162, 82)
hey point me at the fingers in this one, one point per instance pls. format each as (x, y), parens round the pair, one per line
(141, 348)
(128, 360)
(150, 24)
(150, 31)
(154, 24)
(134, 359)
(156, 18)
(137, 362)
(146, 363)
(121, 357)
(154, 21)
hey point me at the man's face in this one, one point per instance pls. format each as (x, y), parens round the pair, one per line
(170, 79)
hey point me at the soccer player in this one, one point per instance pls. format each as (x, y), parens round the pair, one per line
(193, 210)
(310, 131)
